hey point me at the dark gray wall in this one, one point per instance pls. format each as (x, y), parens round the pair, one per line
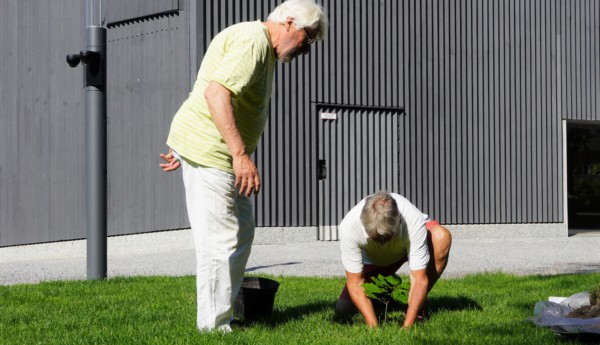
(148, 79)
(41, 122)
(42, 118)
(485, 85)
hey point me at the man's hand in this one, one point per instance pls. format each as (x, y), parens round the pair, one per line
(247, 178)
(171, 163)
(361, 301)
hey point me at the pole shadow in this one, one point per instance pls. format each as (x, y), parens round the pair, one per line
(255, 268)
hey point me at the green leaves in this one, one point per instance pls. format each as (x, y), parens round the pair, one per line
(388, 288)
(400, 293)
(595, 295)
(373, 291)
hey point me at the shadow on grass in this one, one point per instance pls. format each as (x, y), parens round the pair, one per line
(448, 303)
(432, 305)
(580, 338)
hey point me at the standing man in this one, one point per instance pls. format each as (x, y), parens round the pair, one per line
(377, 236)
(213, 135)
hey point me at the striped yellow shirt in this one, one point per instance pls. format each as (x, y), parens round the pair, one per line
(240, 58)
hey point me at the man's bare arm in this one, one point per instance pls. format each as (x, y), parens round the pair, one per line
(417, 295)
(218, 98)
(361, 301)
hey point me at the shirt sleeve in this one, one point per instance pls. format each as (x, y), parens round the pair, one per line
(241, 61)
(418, 256)
(351, 253)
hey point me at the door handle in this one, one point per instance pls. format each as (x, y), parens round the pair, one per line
(322, 169)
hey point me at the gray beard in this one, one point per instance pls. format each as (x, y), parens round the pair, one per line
(290, 56)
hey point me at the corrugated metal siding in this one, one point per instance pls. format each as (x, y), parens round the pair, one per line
(500, 125)
(148, 79)
(580, 59)
(479, 81)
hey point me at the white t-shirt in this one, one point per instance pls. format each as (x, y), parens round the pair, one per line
(358, 249)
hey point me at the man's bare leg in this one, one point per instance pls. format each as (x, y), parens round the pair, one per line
(439, 241)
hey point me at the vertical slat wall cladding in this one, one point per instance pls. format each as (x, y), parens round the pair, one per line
(492, 81)
(484, 84)
(148, 79)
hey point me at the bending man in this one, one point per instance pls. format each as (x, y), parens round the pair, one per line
(377, 236)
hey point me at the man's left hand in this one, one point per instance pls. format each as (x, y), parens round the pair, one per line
(171, 162)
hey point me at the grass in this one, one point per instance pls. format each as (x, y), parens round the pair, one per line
(477, 309)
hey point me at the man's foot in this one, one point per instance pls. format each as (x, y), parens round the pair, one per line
(423, 316)
(236, 324)
(345, 306)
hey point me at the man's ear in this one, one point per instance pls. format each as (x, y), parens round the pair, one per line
(289, 22)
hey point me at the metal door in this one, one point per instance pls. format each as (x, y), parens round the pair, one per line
(357, 156)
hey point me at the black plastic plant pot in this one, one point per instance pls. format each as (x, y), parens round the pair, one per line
(256, 298)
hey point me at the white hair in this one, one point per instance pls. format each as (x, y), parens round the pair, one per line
(380, 216)
(306, 13)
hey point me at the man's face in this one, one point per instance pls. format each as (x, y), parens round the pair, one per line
(295, 42)
(381, 239)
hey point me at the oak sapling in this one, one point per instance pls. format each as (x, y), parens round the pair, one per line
(595, 295)
(388, 288)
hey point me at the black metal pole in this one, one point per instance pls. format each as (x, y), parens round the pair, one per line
(95, 137)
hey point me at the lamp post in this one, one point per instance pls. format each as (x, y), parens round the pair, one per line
(93, 59)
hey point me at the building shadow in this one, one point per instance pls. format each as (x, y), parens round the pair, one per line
(584, 232)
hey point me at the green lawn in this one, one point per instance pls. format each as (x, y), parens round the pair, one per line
(478, 309)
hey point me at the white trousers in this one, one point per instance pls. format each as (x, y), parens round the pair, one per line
(222, 224)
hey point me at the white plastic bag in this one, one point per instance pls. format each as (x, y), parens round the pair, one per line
(553, 315)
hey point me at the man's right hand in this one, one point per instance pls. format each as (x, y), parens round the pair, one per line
(247, 178)
(218, 99)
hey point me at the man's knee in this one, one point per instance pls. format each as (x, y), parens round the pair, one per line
(441, 239)
(440, 243)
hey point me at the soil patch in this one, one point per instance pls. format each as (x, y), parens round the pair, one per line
(585, 312)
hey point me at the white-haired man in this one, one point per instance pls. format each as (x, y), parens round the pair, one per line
(213, 135)
(377, 236)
